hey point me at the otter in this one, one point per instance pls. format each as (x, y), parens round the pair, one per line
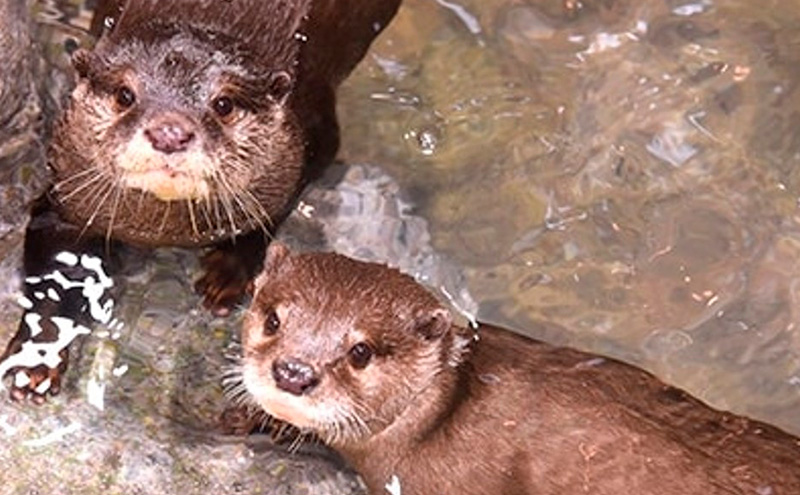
(196, 123)
(368, 360)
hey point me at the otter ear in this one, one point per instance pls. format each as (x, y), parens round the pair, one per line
(433, 324)
(277, 253)
(280, 85)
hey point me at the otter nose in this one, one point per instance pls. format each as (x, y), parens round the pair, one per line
(170, 135)
(293, 376)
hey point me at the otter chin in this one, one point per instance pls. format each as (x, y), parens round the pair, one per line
(363, 357)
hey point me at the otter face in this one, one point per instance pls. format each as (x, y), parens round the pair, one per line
(342, 348)
(175, 139)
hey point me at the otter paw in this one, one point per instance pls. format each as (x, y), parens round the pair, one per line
(225, 283)
(36, 383)
(243, 420)
(238, 420)
(37, 357)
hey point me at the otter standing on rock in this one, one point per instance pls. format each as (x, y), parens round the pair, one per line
(368, 360)
(196, 123)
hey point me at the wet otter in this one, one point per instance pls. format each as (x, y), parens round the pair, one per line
(197, 122)
(367, 359)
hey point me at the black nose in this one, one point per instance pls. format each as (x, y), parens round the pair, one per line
(293, 376)
(170, 135)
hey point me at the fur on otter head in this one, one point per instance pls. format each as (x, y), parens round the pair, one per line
(181, 130)
(345, 372)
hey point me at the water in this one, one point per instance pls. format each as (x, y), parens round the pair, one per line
(626, 171)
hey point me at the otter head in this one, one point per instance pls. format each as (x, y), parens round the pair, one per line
(342, 348)
(180, 130)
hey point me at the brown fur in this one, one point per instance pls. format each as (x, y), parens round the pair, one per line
(503, 414)
(280, 61)
(142, 153)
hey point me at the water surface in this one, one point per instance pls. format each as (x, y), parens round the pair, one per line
(626, 171)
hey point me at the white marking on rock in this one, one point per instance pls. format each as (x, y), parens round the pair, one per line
(21, 379)
(53, 437)
(6, 426)
(53, 294)
(33, 354)
(32, 320)
(25, 302)
(43, 387)
(120, 370)
(67, 258)
(96, 393)
(469, 19)
(93, 287)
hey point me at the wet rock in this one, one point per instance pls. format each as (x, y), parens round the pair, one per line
(21, 153)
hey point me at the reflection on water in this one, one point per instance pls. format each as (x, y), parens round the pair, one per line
(625, 169)
(628, 170)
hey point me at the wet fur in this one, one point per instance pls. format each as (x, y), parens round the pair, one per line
(280, 61)
(507, 415)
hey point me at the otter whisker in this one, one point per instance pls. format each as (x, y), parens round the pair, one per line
(205, 209)
(93, 179)
(224, 197)
(236, 197)
(78, 177)
(257, 211)
(192, 218)
(298, 441)
(102, 197)
(118, 192)
(140, 202)
(167, 208)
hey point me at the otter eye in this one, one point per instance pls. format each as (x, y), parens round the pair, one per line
(359, 355)
(271, 323)
(125, 97)
(223, 106)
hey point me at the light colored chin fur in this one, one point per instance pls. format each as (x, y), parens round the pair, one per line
(297, 410)
(179, 176)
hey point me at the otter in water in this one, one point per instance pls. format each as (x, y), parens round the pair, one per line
(197, 122)
(370, 361)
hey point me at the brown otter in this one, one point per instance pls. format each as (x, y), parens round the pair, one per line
(196, 123)
(367, 359)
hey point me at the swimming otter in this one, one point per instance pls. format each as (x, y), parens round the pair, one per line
(197, 122)
(367, 359)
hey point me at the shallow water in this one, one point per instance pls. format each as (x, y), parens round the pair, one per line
(626, 171)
